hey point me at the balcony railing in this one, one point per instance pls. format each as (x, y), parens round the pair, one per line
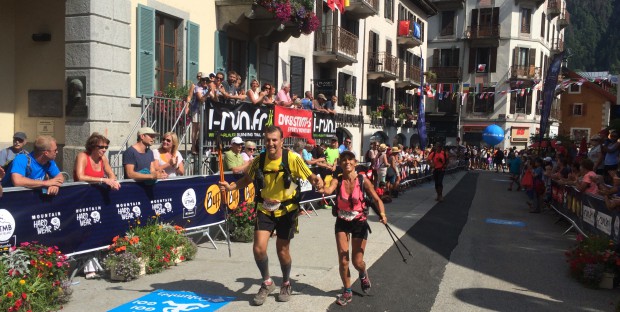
(407, 39)
(445, 73)
(363, 8)
(336, 40)
(524, 71)
(382, 62)
(564, 19)
(408, 75)
(558, 45)
(444, 5)
(483, 31)
(349, 119)
(554, 8)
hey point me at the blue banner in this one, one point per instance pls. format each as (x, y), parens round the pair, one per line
(416, 32)
(421, 118)
(551, 82)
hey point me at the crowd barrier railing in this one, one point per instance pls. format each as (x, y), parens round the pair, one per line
(587, 213)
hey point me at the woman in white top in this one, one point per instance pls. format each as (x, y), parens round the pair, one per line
(254, 94)
(168, 156)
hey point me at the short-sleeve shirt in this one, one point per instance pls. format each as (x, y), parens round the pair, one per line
(7, 155)
(231, 90)
(273, 184)
(37, 171)
(161, 159)
(232, 160)
(283, 96)
(438, 159)
(331, 154)
(328, 105)
(140, 161)
(306, 103)
(590, 179)
(306, 155)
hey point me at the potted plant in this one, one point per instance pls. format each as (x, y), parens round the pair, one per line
(122, 266)
(34, 278)
(349, 101)
(242, 220)
(594, 261)
(430, 76)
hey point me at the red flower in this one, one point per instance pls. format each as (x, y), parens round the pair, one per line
(158, 247)
(24, 295)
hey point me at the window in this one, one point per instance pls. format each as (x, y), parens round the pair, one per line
(388, 47)
(526, 20)
(160, 48)
(445, 57)
(521, 102)
(389, 9)
(346, 85)
(446, 101)
(577, 134)
(574, 88)
(482, 60)
(298, 69)
(447, 23)
(485, 102)
(237, 57)
(578, 109)
(542, 27)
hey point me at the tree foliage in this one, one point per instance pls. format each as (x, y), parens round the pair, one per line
(593, 35)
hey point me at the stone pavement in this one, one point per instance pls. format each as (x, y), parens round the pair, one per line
(315, 277)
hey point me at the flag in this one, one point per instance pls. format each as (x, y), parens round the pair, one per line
(549, 92)
(421, 124)
(347, 3)
(340, 5)
(331, 4)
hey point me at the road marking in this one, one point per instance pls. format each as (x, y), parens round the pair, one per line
(175, 301)
(505, 222)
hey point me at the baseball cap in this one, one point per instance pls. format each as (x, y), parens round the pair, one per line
(237, 140)
(547, 159)
(334, 139)
(147, 130)
(347, 154)
(212, 75)
(20, 135)
(321, 96)
(311, 142)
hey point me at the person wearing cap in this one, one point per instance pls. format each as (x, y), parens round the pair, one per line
(392, 177)
(439, 161)
(306, 154)
(351, 222)
(277, 207)
(139, 161)
(9, 153)
(30, 170)
(233, 161)
(381, 163)
(323, 105)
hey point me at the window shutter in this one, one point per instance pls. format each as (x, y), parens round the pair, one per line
(297, 76)
(495, 16)
(583, 109)
(493, 61)
(572, 109)
(193, 46)
(252, 61)
(354, 86)
(513, 103)
(146, 51)
(436, 57)
(542, 27)
(472, 60)
(455, 57)
(470, 103)
(515, 57)
(474, 19)
(341, 88)
(532, 60)
(221, 51)
(422, 31)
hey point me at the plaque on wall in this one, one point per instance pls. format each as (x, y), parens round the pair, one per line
(45, 103)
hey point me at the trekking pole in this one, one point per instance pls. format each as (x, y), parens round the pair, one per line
(395, 244)
(393, 235)
(398, 238)
(223, 197)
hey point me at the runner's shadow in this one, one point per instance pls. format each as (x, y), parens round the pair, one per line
(203, 287)
(500, 300)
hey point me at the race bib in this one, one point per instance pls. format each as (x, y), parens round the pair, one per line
(347, 214)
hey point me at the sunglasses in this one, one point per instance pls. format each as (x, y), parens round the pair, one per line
(219, 78)
(168, 140)
(347, 141)
(250, 149)
(102, 146)
(18, 140)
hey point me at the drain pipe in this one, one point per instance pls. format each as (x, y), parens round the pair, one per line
(361, 113)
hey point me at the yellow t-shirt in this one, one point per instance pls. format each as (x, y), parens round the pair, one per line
(273, 186)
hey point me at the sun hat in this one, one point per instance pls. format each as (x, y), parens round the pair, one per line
(147, 130)
(383, 147)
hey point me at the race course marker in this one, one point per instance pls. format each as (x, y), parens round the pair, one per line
(505, 222)
(174, 301)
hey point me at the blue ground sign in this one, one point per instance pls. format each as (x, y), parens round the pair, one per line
(174, 301)
(505, 222)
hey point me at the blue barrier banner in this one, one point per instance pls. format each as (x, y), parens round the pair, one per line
(166, 300)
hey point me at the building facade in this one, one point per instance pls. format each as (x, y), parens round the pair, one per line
(496, 52)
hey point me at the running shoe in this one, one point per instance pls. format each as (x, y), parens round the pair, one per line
(365, 284)
(263, 292)
(285, 293)
(345, 298)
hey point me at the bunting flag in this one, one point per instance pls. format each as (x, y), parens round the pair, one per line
(347, 3)
(340, 5)
(549, 92)
(331, 4)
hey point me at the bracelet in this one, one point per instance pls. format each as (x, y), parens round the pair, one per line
(382, 214)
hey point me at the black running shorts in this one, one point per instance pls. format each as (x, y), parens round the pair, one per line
(285, 225)
(357, 229)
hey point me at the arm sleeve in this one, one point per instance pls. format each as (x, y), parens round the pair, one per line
(53, 170)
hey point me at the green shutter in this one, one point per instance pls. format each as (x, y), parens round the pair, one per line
(146, 51)
(221, 51)
(252, 55)
(193, 49)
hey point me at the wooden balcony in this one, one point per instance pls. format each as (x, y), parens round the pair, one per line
(382, 66)
(248, 18)
(447, 73)
(335, 45)
(554, 8)
(448, 5)
(483, 35)
(520, 72)
(564, 19)
(408, 76)
(537, 3)
(408, 40)
(362, 8)
(557, 46)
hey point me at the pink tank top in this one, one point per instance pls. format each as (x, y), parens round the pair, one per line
(351, 207)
